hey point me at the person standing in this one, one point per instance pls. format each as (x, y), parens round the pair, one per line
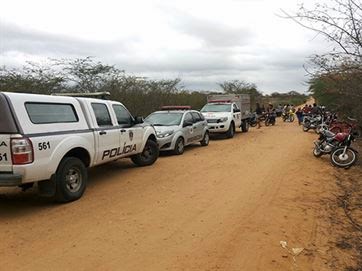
(299, 114)
(259, 113)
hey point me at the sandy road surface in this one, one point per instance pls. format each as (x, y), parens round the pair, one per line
(222, 207)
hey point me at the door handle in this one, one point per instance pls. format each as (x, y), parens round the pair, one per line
(102, 132)
(122, 131)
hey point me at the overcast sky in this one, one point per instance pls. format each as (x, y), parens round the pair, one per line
(201, 42)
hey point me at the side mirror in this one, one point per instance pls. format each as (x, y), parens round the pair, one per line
(138, 120)
(187, 123)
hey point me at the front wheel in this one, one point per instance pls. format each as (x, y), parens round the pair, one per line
(179, 146)
(70, 179)
(148, 156)
(205, 141)
(306, 126)
(343, 159)
(231, 132)
(317, 152)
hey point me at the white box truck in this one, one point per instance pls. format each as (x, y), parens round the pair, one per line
(226, 112)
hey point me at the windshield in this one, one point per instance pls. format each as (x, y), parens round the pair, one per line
(216, 108)
(164, 119)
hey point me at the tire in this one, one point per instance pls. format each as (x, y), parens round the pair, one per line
(343, 162)
(245, 126)
(231, 132)
(148, 156)
(267, 122)
(205, 141)
(306, 126)
(179, 146)
(70, 179)
(291, 118)
(253, 124)
(317, 152)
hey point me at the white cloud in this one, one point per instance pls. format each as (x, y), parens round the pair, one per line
(203, 42)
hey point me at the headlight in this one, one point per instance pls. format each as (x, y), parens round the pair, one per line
(164, 134)
(223, 119)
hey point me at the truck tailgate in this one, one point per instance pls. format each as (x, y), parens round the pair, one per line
(5, 154)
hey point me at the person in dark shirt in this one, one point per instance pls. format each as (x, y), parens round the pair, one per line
(259, 113)
(299, 114)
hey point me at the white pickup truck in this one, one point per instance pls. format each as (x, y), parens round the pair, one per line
(225, 112)
(52, 140)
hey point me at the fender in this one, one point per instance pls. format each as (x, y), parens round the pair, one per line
(67, 144)
(148, 131)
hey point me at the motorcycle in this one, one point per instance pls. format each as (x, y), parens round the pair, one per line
(288, 116)
(327, 142)
(270, 119)
(253, 121)
(344, 156)
(311, 122)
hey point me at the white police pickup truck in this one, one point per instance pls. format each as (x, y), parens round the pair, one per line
(52, 140)
(225, 112)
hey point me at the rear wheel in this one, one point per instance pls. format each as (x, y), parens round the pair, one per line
(205, 141)
(245, 126)
(179, 146)
(148, 156)
(71, 179)
(231, 132)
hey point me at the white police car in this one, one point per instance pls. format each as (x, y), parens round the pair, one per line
(177, 127)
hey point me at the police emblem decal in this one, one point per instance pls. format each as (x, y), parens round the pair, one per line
(130, 135)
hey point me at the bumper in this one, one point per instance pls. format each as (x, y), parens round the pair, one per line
(165, 144)
(218, 127)
(10, 179)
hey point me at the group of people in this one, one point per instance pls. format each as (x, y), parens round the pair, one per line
(260, 111)
(308, 110)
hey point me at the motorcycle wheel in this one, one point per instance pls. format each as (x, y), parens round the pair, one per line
(317, 152)
(252, 124)
(291, 118)
(267, 123)
(343, 161)
(305, 128)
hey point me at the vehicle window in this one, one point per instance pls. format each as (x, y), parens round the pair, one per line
(216, 108)
(7, 124)
(42, 113)
(123, 117)
(102, 115)
(188, 118)
(196, 116)
(164, 119)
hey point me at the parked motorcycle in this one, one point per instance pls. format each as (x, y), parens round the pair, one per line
(253, 121)
(270, 118)
(311, 122)
(327, 142)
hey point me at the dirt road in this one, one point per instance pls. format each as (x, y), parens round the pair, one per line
(222, 207)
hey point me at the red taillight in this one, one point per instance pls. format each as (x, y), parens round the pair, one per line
(21, 151)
